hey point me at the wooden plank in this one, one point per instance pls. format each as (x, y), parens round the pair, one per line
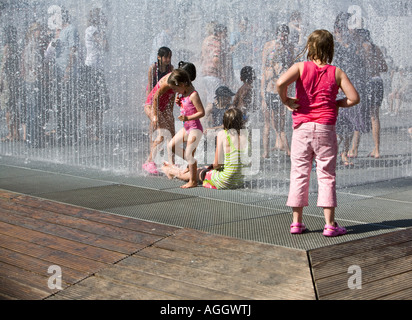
(398, 295)
(385, 262)
(367, 258)
(97, 216)
(262, 287)
(54, 257)
(105, 242)
(57, 243)
(85, 225)
(27, 278)
(73, 229)
(36, 265)
(222, 283)
(255, 267)
(12, 289)
(167, 286)
(7, 195)
(338, 251)
(371, 273)
(106, 289)
(377, 289)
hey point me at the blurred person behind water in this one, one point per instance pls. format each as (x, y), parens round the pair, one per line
(10, 83)
(216, 65)
(97, 97)
(277, 57)
(67, 63)
(241, 48)
(35, 77)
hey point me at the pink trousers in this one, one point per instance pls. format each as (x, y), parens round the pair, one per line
(313, 141)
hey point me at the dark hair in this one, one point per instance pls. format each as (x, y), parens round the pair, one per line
(295, 16)
(341, 21)
(283, 28)
(96, 17)
(320, 45)
(179, 76)
(164, 52)
(233, 119)
(190, 68)
(65, 15)
(219, 28)
(364, 34)
(247, 74)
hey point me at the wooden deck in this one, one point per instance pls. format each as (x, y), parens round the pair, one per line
(381, 268)
(110, 257)
(105, 256)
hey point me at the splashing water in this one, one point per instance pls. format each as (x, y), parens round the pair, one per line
(94, 115)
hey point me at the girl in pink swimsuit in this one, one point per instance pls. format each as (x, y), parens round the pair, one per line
(191, 111)
(159, 109)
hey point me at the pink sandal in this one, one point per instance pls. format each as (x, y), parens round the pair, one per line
(150, 167)
(297, 228)
(333, 231)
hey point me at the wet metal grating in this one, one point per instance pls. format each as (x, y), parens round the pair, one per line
(106, 197)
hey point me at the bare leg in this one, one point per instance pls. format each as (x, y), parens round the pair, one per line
(153, 149)
(285, 143)
(297, 214)
(193, 141)
(266, 130)
(353, 153)
(329, 213)
(376, 128)
(192, 183)
(174, 146)
(9, 127)
(279, 126)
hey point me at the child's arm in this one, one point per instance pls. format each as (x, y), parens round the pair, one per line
(285, 81)
(219, 153)
(164, 87)
(199, 107)
(150, 80)
(352, 96)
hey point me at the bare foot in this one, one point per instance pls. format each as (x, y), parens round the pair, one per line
(7, 138)
(352, 154)
(345, 160)
(190, 184)
(374, 154)
(265, 155)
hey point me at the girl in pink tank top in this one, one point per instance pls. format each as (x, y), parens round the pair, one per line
(315, 111)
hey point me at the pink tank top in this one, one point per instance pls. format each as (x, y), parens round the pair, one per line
(164, 99)
(188, 108)
(316, 90)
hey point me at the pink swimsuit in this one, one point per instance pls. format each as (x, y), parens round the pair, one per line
(187, 108)
(164, 99)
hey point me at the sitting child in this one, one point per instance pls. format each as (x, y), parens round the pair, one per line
(226, 170)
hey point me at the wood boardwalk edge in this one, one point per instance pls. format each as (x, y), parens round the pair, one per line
(36, 233)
